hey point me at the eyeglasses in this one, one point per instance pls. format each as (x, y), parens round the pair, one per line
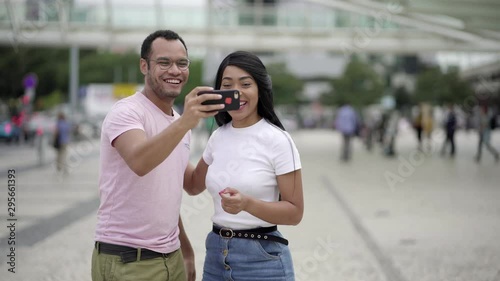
(166, 64)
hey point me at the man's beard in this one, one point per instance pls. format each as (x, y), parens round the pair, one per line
(159, 91)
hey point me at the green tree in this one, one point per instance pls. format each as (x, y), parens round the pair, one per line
(359, 85)
(108, 67)
(49, 64)
(286, 87)
(458, 89)
(51, 100)
(430, 85)
(195, 80)
(403, 98)
(440, 88)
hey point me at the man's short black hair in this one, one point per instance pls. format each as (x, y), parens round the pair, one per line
(165, 34)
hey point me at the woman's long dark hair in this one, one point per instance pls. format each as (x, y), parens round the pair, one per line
(254, 66)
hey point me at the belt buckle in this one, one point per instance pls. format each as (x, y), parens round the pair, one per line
(227, 231)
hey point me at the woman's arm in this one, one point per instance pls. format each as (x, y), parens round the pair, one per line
(288, 211)
(194, 178)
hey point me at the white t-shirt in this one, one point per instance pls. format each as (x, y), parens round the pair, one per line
(140, 211)
(248, 159)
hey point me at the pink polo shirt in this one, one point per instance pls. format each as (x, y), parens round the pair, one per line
(140, 212)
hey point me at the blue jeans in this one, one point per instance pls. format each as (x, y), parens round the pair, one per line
(238, 259)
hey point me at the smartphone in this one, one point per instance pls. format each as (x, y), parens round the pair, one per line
(231, 98)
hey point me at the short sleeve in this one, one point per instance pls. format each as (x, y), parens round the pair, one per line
(208, 152)
(286, 156)
(123, 117)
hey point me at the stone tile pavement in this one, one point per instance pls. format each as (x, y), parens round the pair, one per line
(415, 217)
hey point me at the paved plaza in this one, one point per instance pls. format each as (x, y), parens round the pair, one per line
(414, 217)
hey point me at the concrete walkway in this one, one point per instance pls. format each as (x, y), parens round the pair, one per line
(415, 217)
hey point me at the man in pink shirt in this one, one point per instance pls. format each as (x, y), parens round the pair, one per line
(144, 167)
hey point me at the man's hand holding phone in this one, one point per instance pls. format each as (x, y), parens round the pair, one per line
(194, 110)
(204, 102)
(229, 98)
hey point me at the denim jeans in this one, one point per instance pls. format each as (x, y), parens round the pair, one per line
(238, 259)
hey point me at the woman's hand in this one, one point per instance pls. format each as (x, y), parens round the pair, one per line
(233, 201)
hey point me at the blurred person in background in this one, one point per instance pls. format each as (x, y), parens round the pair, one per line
(486, 124)
(417, 125)
(381, 128)
(346, 123)
(145, 146)
(371, 119)
(425, 120)
(62, 135)
(263, 187)
(391, 133)
(469, 122)
(450, 126)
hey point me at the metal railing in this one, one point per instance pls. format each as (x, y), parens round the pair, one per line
(294, 24)
(57, 13)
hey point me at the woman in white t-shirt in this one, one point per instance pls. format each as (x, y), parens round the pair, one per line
(252, 169)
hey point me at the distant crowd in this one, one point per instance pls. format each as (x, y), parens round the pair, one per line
(382, 126)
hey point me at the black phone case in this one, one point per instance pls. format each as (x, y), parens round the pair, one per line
(231, 98)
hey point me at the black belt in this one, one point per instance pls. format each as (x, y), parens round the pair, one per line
(128, 254)
(255, 233)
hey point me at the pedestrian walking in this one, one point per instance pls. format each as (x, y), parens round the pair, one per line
(346, 123)
(424, 125)
(484, 130)
(450, 126)
(391, 133)
(62, 135)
